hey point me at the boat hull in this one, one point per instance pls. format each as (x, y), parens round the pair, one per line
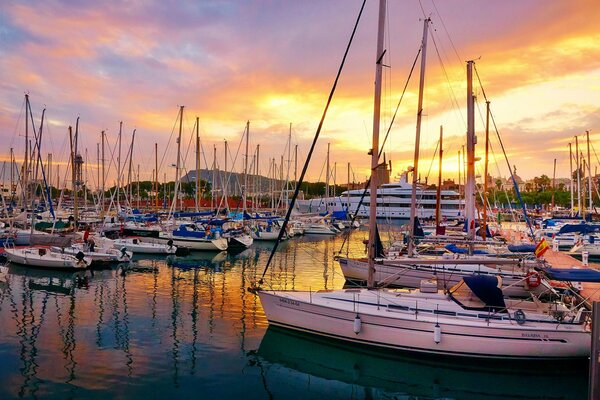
(380, 326)
(49, 260)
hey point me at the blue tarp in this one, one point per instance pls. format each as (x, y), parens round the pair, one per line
(486, 288)
(573, 274)
(521, 248)
(578, 228)
(192, 214)
(459, 250)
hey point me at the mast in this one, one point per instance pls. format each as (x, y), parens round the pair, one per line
(26, 160)
(438, 214)
(245, 192)
(485, 181)
(578, 160)
(130, 175)
(119, 167)
(225, 180)
(470, 177)
(97, 171)
(103, 176)
(259, 177)
(157, 184)
(589, 165)
(327, 174)
(138, 186)
(571, 176)
(553, 183)
(459, 178)
(213, 201)
(375, 145)
(197, 164)
(348, 194)
(413, 197)
(178, 165)
(73, 175)
(12, 175)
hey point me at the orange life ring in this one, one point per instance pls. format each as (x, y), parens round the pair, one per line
(533, 279)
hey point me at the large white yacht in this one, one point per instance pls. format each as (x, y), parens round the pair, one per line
(393, 201)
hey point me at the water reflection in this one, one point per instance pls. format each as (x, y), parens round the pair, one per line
(326, 363)
(177, 327)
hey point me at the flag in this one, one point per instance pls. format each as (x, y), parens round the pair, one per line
(541, 248)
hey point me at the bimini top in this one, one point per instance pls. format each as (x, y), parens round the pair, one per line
(479, 292)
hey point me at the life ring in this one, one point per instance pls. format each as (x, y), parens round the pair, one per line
(533, 279)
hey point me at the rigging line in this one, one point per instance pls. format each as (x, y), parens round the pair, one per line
(452, 94)
(517, 191)
(368, 182)
(168, 143)
(314, 143)
(459, 58)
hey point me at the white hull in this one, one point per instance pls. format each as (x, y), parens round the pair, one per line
(267, 236)
(99, 255)
(239, 241)
(409, 274)
(144, 247)
(320, 229)
(198, 244)
(390, 321)
(45, 259)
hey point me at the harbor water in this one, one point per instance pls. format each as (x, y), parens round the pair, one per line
(188, 328)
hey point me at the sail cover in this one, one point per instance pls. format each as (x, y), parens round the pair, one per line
(573, 274)
(486, 288)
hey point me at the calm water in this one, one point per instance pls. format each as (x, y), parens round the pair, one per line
(191, 329)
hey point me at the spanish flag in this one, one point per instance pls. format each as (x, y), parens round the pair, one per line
(541, 248)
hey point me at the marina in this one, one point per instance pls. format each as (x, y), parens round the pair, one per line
(352, 201)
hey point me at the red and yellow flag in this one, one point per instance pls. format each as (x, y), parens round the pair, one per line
(541, 248)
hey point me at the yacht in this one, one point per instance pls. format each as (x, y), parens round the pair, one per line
(393, 201)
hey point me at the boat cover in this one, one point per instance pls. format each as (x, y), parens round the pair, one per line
(521, 248)
(573, 274)
(486, 288)
(452, 247)
(578, 228)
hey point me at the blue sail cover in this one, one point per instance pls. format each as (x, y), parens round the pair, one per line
(459, 250)
(521, 248)
(573, 274)
(578, 228)
(486, 288)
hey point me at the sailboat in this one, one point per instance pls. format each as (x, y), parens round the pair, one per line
(472, 319)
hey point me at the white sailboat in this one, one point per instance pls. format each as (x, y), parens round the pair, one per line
(43, 258)
(136, 246)
(471, 320)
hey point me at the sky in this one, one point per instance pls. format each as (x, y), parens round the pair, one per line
(273, 63)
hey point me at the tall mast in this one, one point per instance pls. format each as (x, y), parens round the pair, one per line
(119, 167)
(375, 145)
(178, 165)
(12, 174)
(289, 161)
(327, 174)
(156, 175)
(348, 194)
(130, 175)
(589, 165)
(413, 197)
(259, 177)
(470, 177)
(225, 180)
(213, 200)
(438, 214)
(571, 176)
(459, 178)
(197, 164)
(485, 179)
(245, 192)
(553, 183)
(97, 171)
(138, 186)
(73, 175)
(103, 177)
(578, 160)
(24, 177)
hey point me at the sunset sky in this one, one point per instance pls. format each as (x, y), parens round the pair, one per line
(273, 63)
